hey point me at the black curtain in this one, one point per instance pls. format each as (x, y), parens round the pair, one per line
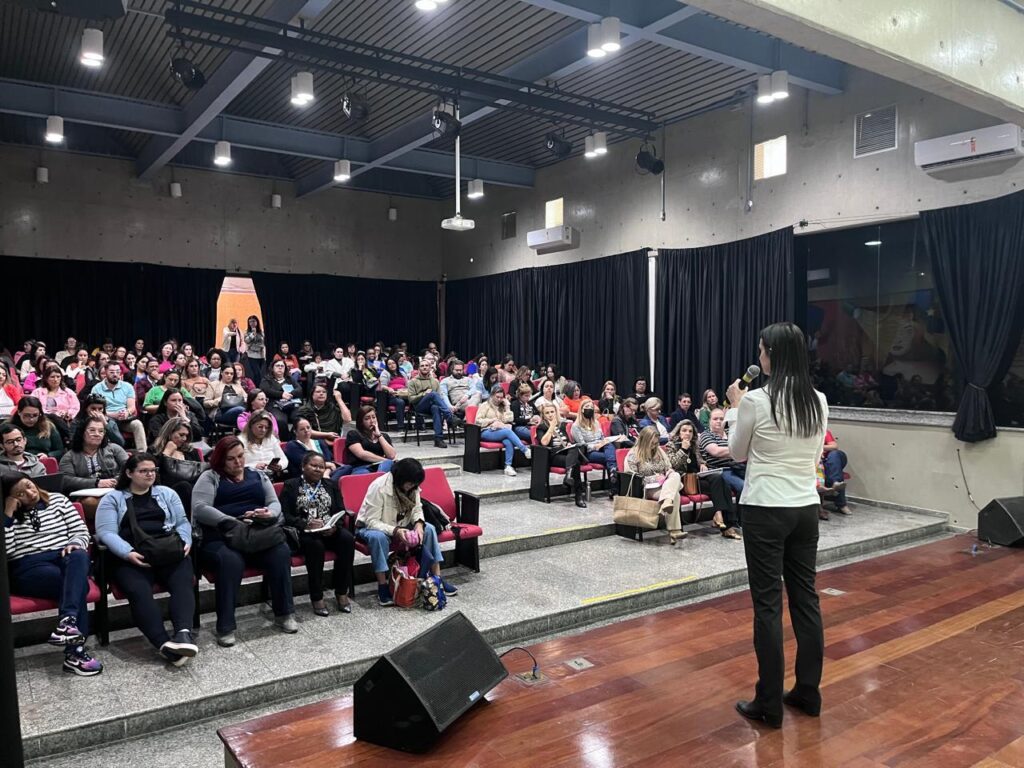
(590, 319)
(492, 314)
(977, 254)
(50, 299)
(712, 303)
(329, 310)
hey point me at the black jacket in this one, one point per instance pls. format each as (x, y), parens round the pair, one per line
(678, 415)
(290, 498)
(518, 419)
(275, 391)
(631, 429)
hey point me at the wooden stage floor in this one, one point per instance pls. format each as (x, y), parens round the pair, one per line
(924, 667)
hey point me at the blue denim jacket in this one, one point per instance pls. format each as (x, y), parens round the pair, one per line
(112, 510)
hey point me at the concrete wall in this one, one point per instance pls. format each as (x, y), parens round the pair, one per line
(917, 466)
(618, 210)
(94, 208)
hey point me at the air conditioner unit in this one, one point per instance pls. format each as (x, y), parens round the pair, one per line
(553, 239)
(985, 145)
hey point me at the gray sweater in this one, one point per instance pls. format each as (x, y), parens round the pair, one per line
(205, 491)
(32, 467)
(78, 476)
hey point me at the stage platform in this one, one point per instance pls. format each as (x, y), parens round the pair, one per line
(547, 569)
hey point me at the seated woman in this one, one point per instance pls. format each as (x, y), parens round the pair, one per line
(35, 378)
(226, 496)
(242, 378)
(708, 403)
(47, 553)
(524, 376)
(494, 417)
(551, 374)
(323, 414)
(172, 405)
(157, 513)
(227, 399)
(393, 384)
(364, 376)
(59, 403)
(649, 462)
(369, 449)
(571, 398)
(170, 380)
(609, 403)
(194, 382)
(597, 448)
(215, 364)
(682, 453)
(291, 363)
(305, 441)
(653, 418)
(178, 463)
(308, 503)
(92, 462)
(524, 414)
(552, 433)
(392, 511)
(262, 448)
(284, 395)
(166, 357)
(507, 370)
(41, 436)
(254, 401)
(180, 361)
(96, 405)
(548, 396)
(76, 368)
(10, 393)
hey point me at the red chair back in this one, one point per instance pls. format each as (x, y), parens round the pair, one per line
(606, 426)
(353, 490)
(533, 435)
(504, 386)
(50, 464)
(278, 487)
(200, 452)
(470, 415)
(435, 487)
(620, 457)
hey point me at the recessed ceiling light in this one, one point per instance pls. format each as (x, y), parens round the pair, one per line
(54, 129)
(91, 52)
(594, 41)
(342, 170)
(222, 153)
(872, 243)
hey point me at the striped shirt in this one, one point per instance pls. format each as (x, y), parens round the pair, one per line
(710, 438)
(59, 525)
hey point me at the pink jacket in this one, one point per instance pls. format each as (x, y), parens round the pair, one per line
(66, 401)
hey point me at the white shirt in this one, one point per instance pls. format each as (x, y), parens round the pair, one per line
(781, 468)
(264, 453)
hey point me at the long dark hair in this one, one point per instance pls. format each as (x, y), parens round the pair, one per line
(78, 439)
(790, 387)
(123, 481)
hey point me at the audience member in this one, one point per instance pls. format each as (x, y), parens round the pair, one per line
(92, 462)
(393, 385)
(178, 462)
(303, 442)
(425, 399)
(457, 390)
(682, 453)
(714, 449)
(640, 393)
(369, 449)
(653, 418)
(284, 395)
(129, 522)
(76, 369)
(548, 396)
(392, 511)
(610, 402)
(587, 433)
(228, 498)
(551, 374)
(120, 398)
(625, 423)
(69, 351)
(14, 459)
(37, 376)
(684, 412)
(308, 504)
(326, 419)
(507, 370)
(524, 376)
(291, 363)
(231, 341)
(553, 433)
(165, 357)
(144, 383)
(571, 399)
(95, 405)
(651, 465)
(226, 401)
(10, 393)
(172, 405)
(494, 418)
(139, 347)
(59, 403)
(242, 378)
(255, 401)
(708, 402)
(255, 348)
(155, 394)
(194, 382)
(262, 448)
(834, 461)
(524, 414)
(47, 552)
(41, 435)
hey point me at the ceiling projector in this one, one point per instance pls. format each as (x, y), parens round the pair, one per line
(458, 224)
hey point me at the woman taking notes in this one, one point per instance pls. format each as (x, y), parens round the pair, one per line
(780, 431)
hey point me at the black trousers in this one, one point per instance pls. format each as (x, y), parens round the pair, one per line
(314, 547)
(137, 584)
(715, 487)
(569, 461)
(782, 542)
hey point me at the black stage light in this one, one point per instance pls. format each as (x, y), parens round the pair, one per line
(187, 73)
(355, 106)
(647, 160)
(557, 145)
(445, 124)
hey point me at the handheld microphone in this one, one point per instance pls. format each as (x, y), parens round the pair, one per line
(752, 373)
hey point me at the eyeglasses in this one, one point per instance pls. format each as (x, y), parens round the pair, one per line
(151, 471)
(14, 441)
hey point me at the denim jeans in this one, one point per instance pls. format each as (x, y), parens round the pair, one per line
(399, 405)
(379, 543)
(506, 436)
(734, 479)
(229, 416)
(606, 457)
(835, 463)
(432, 403)
(523, 433)
(384, 466)
(52, 576)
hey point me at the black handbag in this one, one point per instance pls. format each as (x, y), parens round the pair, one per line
(174, 470)
(249, 538)
(231, 399)
(164, 549)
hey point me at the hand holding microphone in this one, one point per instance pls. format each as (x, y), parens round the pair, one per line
(738, 388)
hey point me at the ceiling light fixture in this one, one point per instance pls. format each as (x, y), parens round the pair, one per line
(342, 170)
(594, 41)
(445, 122)
(457, 223)
(764, 90)
(780, 84)
(187, 73)
(647, 160)
(91, 51)
(54, 129)
(610, 34)
(872, 243)
(222, 153)
(600, 143)
(355, 106)
(42, 175)
(475, 189)
(557, 145)
(175, 189)
(302, 89)
(588, 147)
(426, 5)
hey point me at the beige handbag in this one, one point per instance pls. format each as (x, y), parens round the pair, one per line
(639, 513)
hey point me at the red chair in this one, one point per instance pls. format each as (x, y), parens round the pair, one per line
(50, 463)
(479, 454)
(463, 508)
(96, 597)
(540, 488)
(505, 386)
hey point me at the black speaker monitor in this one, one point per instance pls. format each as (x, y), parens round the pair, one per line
(412, 694)
(1002, 522)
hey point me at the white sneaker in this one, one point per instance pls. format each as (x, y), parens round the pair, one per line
(527, 453)
(509, 472)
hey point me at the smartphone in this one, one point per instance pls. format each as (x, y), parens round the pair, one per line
(275, 463)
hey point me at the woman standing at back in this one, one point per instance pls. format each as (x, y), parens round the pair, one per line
(780, 431)
(255, 348)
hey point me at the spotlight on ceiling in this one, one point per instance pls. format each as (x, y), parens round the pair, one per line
(780, 84)
(91, 51)
(600, 143)
(647, 160)
(588, 147)
(355, 106)
(557, 145)
(475, 189)
(302, 89)
(187, 73)
(342, 170)
(764, 90)
(222, 153)
(444, 122)
(428, 5)
(610, 34)
(594, 41)
(54, 129)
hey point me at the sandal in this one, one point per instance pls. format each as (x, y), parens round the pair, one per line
(718, 522)
(731, 533)
(673, 537)
(344, 607)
